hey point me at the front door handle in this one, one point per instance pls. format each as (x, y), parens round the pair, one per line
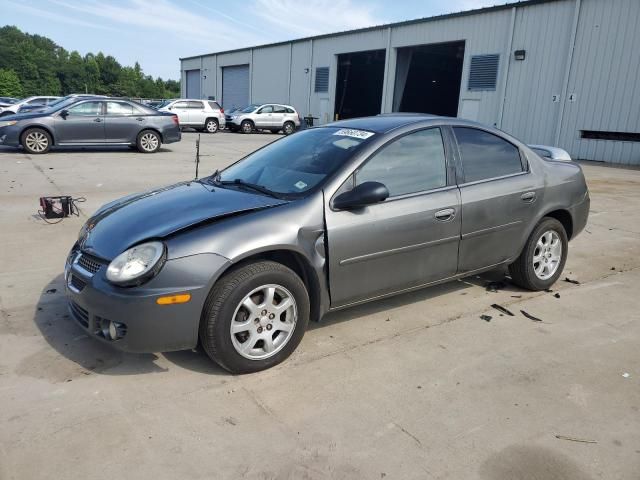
(445, 215)
(98, 120)
(528, 197)
(140, 119)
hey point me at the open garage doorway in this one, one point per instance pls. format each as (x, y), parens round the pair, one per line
(359, 84)
(428, 78)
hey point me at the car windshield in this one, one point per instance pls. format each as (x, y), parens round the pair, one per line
(296, 164)
(249, 108)
(163, 104)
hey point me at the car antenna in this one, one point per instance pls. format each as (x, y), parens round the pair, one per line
(197, 155)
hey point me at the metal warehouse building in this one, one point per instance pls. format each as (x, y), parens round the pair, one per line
(556, 72)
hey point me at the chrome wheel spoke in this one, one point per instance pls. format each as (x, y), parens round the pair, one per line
(547, 255)
(239, 327)
(250, 305)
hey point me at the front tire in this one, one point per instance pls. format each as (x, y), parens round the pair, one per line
(542, 259)
(255, 317)
(36, 141)
(148, 141)
(211, 125)
(246, 126)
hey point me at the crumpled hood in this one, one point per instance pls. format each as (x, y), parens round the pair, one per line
(158, 213)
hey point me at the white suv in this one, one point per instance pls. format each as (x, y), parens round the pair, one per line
(264, 116)
(31, 101)
(203, 115)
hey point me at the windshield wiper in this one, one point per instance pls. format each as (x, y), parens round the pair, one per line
(248, 185)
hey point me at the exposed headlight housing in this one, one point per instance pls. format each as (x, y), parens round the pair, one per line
(137, 265)
(8, 123)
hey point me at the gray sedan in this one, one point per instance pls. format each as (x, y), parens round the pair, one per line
(318, 221)
(90, 122)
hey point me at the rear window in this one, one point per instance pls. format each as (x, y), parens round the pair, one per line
(485, 155)
(195, 105)
(214, 105)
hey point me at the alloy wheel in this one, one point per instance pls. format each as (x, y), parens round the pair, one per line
(263, 322)
(547, 255)
(149, 142)
(212, 126)
(36, 141)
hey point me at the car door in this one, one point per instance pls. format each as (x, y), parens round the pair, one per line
(277, 117)
(197, 114)
(122, 122)
(263, 117)
(410, 239)
(181, 108)
(82, 122)
(499, 198)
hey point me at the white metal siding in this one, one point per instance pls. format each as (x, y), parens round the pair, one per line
(605, 78)
(603, 74)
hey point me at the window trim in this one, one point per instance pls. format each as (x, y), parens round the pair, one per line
(77, 104)
(106, 109)
(460, 166)
(448, 157)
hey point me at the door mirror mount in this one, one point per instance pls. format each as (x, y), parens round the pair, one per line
(367, 193)
(64, 113)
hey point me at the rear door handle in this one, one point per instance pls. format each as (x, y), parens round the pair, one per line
(97, 119)
(528, 197)
(140, 119)
(445, 215)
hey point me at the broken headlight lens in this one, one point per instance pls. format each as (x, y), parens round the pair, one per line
(137, 265)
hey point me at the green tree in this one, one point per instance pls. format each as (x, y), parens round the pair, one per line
(9, 84)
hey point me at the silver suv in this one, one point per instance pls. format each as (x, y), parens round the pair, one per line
(264, 116)
(203, 115)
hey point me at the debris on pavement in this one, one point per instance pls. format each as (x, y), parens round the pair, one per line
(613, 268)
(516, 296)
(486, 318)
(571, 280)
(500, 308)
(574, 439)
(626, 375)
(52, 290)
(494, 287)
(530, 317)
(557, 295)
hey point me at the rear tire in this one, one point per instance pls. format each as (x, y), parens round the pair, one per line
(35, 141)
(148, 141)
(288, 128)
(211, 125)
(542, 259)
(247, 126)
(243, 329)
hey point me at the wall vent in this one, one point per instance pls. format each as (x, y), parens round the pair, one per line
(322, 80)
(619, 136)
(483, 73)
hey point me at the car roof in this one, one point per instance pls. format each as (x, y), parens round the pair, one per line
(386, 122)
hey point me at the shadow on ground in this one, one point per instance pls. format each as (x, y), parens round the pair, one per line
(87, 355)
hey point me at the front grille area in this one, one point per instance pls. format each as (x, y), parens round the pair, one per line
(76, 282)
(89, 263)
(80, 314)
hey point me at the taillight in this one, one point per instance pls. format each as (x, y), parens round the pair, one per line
(221, 110)
(175, 119)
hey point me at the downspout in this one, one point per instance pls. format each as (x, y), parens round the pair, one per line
(505, 77)
(385, 80)
(567, 72)
(290, 67)
(310, 76)
(201, 82)
(251, 78)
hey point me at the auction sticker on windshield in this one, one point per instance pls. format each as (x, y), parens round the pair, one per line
(351, 132)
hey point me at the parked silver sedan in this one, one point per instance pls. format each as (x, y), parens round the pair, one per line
(328, 218)
(265, 116)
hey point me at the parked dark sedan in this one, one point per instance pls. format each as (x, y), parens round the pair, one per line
(320, 220)
(90, 121)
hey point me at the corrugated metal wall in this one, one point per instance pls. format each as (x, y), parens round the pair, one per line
(542, 99)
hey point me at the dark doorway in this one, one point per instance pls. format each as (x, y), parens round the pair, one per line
(428, 78)
(359, 84)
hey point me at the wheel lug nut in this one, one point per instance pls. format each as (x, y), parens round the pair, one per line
(256, 321)
(259, 329)
(263, 313)
(271, 316)
(269, 327)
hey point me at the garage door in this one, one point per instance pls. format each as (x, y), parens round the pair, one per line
(235, 86)
(193, 83)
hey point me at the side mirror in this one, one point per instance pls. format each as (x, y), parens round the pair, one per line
(64, 113)
(366, 193)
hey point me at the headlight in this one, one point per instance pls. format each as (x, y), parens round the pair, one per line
(8, 123)
(137, 265)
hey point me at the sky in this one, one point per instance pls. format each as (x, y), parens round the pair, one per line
(156, 33)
